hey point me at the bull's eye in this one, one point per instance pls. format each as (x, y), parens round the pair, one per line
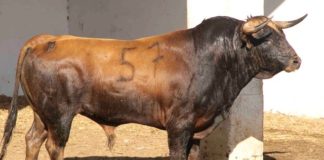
(267, 42)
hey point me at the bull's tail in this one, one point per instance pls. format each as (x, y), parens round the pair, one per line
(13, 110)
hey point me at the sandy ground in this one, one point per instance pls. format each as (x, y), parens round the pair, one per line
(285, 137)
(293, 138)
(88, 140)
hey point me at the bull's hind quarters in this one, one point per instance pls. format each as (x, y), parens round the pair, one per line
(183, 82)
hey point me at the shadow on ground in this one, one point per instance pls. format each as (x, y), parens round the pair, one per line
(266, 156)
(6, 100)
(270, 155)
(115, 158)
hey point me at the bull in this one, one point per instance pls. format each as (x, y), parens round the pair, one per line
(182, 82)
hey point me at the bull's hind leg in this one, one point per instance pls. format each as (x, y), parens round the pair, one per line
(35, 138)
(58, 134)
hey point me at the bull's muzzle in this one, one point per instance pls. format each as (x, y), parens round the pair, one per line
(293, 64)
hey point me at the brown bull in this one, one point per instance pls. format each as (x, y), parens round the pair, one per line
(181, 82)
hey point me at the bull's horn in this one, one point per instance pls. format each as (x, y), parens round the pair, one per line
(251, 26)
(287, 24)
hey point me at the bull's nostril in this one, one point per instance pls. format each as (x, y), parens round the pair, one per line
(296, 60)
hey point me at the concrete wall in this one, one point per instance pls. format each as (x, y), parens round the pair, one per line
(125, 19)
(19, 21)
(240, 136)
(300, 92)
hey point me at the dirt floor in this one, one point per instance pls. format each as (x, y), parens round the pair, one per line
(293, 138)
(285, 138)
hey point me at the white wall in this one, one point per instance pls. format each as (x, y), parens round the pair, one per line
(19, 21)
(301, 92)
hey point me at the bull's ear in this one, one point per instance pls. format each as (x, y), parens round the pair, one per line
(246, 41)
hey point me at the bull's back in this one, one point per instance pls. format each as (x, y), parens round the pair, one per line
(122, 61)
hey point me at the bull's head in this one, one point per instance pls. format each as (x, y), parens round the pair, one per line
(265, 38)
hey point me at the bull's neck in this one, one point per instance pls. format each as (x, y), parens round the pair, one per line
(225, 67)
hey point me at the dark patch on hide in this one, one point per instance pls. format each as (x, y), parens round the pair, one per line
(50, 46)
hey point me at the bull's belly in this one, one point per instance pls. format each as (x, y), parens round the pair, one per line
(114, 111)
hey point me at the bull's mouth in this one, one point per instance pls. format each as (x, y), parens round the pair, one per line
(291, 68)
(288, 70)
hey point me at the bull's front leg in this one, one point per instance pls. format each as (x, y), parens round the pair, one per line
(178, 142)
(194, 149)
(180, 132)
